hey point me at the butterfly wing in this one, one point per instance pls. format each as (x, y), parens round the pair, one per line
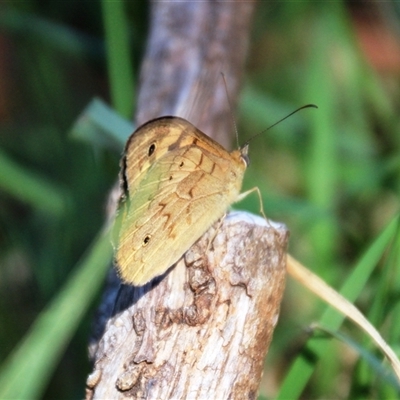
(174, 192)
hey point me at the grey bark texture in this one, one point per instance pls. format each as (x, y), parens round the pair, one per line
(202, 330)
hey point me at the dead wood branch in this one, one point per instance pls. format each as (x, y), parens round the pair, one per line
(202, 330)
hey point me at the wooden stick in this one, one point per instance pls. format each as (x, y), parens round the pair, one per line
(203, 329)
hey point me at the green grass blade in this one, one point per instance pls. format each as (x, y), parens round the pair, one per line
(304, 365)
(322, 158)
(375, 364)
(120, 69)
(101, 126)
(57, 36)
(30, 188)
(26, 372)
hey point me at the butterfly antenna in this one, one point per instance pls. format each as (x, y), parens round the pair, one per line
(282, 119)
(231, 109)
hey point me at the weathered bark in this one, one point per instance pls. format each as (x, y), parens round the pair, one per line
(190, 45)
(200, 331)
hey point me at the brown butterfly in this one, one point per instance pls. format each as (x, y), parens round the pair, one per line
(176, 183)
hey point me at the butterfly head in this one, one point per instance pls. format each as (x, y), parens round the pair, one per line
(244, 154)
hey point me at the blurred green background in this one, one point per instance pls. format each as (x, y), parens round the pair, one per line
(332, 175)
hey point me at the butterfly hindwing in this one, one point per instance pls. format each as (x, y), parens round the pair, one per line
(178, 182)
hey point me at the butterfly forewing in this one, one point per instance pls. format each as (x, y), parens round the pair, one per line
(178, 182)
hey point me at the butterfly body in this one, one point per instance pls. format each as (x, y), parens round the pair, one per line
(176, 183)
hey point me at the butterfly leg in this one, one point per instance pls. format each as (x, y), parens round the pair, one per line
(211, 241)
(247, 192)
